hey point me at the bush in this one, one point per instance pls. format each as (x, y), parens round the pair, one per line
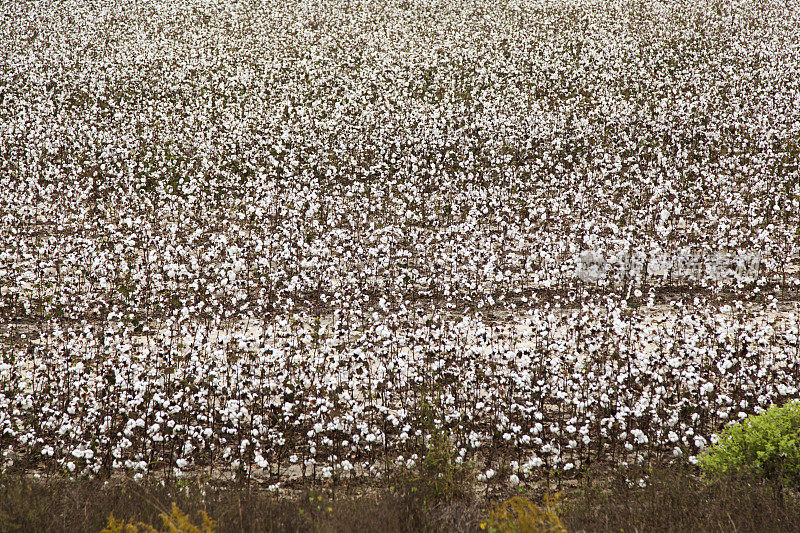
(520, 515)
(765, 445)
(175, 522)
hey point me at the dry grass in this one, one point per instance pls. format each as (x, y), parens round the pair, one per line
(85, 506)
(672, 499)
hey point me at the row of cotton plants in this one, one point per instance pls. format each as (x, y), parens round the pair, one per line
(548, 393)
(273, 240)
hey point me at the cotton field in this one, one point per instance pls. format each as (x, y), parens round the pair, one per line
(279, 241)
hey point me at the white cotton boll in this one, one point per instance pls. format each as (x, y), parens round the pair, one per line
(513, 479)
(533, 462)
(261, 462)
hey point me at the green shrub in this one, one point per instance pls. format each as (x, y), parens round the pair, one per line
(765, 445)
